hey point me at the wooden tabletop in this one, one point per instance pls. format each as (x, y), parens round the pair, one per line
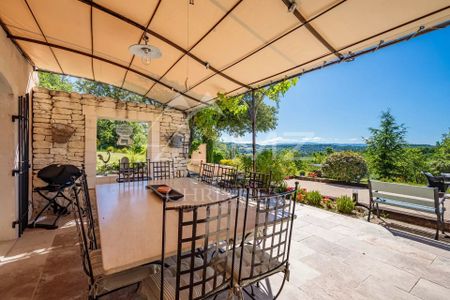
(130, 219)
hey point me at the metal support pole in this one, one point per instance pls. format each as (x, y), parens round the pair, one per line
(253, 115)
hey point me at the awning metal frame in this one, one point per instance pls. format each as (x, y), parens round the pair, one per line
(188, 52)
(160, 37)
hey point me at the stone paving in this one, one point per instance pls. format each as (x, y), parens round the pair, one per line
(339, 257)
(332, 257)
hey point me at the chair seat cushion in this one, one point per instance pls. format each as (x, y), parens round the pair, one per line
(124, 278)
(151, 286)
(117, 280)
(262, 263)
(409, 205)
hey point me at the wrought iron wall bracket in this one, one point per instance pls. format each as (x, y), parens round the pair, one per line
(16, 117)
(14, 223)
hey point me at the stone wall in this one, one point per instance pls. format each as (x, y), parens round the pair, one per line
(54, 107)
(82, 112)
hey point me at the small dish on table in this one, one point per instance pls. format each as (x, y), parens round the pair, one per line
(165, 192)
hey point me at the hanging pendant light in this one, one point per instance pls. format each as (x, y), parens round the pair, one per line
(145, 51)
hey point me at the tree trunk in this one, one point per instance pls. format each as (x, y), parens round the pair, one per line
(253, 114)
(210, 151)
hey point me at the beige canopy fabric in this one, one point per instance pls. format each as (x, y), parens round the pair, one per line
(212, 46)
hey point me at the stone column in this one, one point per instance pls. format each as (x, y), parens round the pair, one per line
(153, 141)
(90, 146)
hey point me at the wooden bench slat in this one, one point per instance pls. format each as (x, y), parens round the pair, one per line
(404, 198)
(404, 204)
(403, 189)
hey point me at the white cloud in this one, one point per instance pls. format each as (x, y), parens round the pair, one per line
(290, 138)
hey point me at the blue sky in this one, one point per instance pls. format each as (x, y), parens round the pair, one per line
(339, 103)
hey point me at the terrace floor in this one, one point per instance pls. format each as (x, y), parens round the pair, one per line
(332, 257)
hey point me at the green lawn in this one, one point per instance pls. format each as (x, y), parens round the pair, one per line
(115, 158)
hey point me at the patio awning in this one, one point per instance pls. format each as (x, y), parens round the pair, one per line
(212, 46)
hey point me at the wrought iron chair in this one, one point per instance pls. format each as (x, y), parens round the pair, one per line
(125, 170)
(258, 183)
(227, 178)
(87, 209)
(162, 169)
(183, 173)
(208, 173)
(140, 171)
(266, 252)
(100, 284)
(203, 231)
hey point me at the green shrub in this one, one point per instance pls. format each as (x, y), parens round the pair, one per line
(279, 163)
(217, 155)
(345, 204)
(345, 166)
(314, 198)
(235, 162)
(282, 187)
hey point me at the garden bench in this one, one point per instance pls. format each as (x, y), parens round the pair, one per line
(415, 198)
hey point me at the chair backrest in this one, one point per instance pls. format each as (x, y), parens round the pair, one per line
(204, 231)
(435, 181)
(268, 247)
(258, 182)
(207, 173)
(419, 195)
(140, 171)
(124, 163)
(84, 220)
(227, 177)
(162, 169)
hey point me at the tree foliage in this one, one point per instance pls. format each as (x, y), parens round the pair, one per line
(233, 114)
(107, 136)
(440, 160)
(385, 147)
(55, 82)
(83, 86)
(411, 165)
(345, 166)
(279, 163)
(105, 90)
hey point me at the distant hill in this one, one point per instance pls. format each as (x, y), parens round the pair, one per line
(307, 148)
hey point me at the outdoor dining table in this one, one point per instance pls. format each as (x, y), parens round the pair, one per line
(130, 219)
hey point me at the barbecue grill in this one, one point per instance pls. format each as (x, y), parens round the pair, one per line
(58, 177)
